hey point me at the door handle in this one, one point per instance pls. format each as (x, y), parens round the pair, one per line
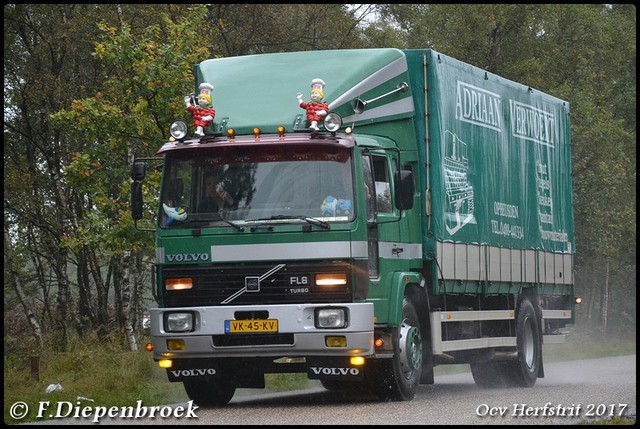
(396, 251)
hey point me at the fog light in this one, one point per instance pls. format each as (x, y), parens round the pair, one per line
(356, 360)
(176, 345)
(165, 363)
(338, 341)
(178, 322)
(331, 318)
(578, 300)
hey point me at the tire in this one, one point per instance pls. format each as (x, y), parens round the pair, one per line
(207, 392)
(522, 371)
(343, 386)
(397, 379)
(488, 375)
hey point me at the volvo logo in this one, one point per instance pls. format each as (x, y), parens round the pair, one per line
(187, 257)
(199, 372)
(252, 283)
(317, 370)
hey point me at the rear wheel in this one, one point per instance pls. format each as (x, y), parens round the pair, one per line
(522, 371)
(208, 392)
(488, 374)
(397, 379)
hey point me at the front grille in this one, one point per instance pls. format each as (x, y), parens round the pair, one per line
(281, 283)
(252, 340)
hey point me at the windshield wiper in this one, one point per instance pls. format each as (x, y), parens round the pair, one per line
(311, 220)
(228, 222)
(214, 218)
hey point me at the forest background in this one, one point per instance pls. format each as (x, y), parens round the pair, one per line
(89, 86)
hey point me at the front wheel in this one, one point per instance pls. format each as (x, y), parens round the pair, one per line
(207, 392)
(397, 379)
(343, 386)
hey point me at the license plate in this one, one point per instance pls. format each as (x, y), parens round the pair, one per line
(250, 326)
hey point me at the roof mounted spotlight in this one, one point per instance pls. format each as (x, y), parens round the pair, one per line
(332, 122)
(359, 105)
(178, 130)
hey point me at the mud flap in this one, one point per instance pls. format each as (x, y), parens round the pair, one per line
(339, 368)
(189, 370)
(192, 370)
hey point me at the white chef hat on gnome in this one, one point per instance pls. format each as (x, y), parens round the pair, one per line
(206, 88)
(205, 91)
(317, 83)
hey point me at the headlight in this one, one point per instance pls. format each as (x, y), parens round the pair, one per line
(332, 122)
(331, 318)
(337, 279)
(178, 284)
(178, 322)
(178, 130)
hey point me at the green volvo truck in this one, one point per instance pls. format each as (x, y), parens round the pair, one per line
(421, 216)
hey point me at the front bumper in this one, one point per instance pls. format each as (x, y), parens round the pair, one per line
(296, 336)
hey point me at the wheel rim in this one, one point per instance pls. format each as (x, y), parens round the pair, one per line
(410, 349)
(528, 349)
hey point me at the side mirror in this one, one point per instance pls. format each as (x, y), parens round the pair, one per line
(137, 171)
(136, 200)
(403, 189)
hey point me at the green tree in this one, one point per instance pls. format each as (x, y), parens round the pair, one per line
(245, 29)
(128, 118)
(45, 66)
(66, 174)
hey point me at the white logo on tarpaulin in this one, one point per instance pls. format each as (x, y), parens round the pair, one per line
(531, 123)
(460, 206)
(478, 106)
(252, 283)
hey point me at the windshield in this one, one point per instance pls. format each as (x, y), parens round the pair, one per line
(249, 185)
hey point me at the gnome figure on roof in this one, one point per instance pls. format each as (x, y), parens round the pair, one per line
(316, 108)
(202, 113)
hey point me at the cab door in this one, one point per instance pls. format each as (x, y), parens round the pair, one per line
(382, 217)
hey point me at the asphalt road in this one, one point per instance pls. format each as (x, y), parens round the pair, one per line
(571, 392)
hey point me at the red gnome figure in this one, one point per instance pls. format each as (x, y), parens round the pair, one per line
(203, 113)
(316, 108)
